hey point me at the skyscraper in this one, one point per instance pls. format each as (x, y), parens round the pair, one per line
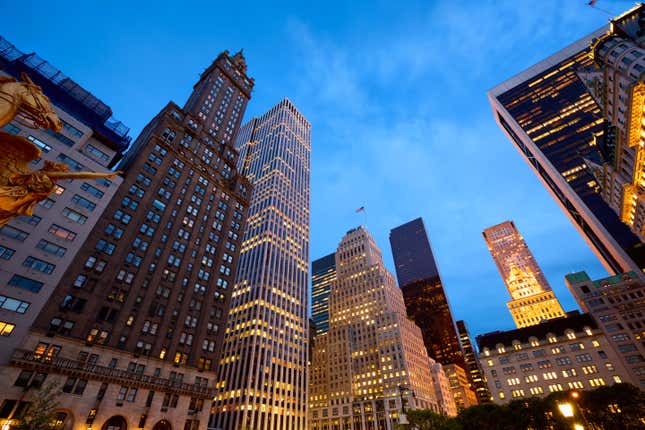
(617, 84)
(425, 298)
(533, 300)
(323, 274)
(371, 363)
(262, 379)
(141, 317)
(427, 303)
(472, 364)
(548, 114)
(35, 251)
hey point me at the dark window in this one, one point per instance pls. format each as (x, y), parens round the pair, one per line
(23, 378)
(83, 202)
(6, 253)
(39, 265)
(50, 247)
(92, 190)
(25, 283)
(14, 233)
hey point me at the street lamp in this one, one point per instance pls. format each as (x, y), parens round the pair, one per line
(575, 395)
(403, 418)
(566, 409)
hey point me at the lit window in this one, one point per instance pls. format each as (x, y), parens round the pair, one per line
(6, 328)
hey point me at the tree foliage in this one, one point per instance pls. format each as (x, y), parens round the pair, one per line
(40, 415)
(617, 407)
(429, 420)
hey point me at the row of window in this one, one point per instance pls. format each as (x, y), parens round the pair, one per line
(33, 262)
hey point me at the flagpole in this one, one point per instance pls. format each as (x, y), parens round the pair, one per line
(592, 4)
(362, 209)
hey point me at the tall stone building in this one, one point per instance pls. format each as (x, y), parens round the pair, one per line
(533, 300)
(443, 391)
(262, 381)
(133, 331)
(35, 251)
(617, 303)
(556, 125)
(472, 364)
(371, 363)
(617, 83)
(323, 274)
(427, 303)
(462, 389)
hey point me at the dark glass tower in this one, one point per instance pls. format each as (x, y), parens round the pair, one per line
(472, 364)
(555, 123)
(323, 273)
(425, 298)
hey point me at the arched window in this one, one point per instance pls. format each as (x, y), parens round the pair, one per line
(162, 425)
(117, 422)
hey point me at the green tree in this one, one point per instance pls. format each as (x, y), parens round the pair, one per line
(40, 414)
(425, 419)
(487, 416)
(531, 413)
(615, 407)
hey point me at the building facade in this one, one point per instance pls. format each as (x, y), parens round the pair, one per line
(35, 251)
(422, 288)
(472, 364)
(462, 390)
(558, 355)
(133, 331)
(617, 84)
(551, 118)
(323, 274)
(533, 301)
(426, 301)
(262, 378)
(618, 305)
(371, 362)
(442, 389)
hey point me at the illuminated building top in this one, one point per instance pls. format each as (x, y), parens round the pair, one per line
(532, 298)
(514, 260)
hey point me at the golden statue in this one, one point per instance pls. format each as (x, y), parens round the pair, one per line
(20, 187)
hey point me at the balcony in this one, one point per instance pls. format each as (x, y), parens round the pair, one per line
(29, 360)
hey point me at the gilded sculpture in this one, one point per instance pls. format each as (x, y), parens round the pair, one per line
(20, 187)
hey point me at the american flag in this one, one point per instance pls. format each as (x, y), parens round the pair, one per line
(361, 209)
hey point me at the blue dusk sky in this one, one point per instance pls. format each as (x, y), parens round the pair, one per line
(396, 95)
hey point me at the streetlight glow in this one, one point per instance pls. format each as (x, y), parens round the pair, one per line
(578, 427)
(566, 410)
